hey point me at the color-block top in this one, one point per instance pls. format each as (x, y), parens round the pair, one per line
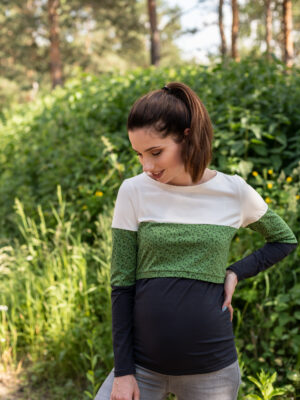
(169, 253)
(162, 230)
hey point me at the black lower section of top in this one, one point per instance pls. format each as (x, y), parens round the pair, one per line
(175, 326)
(178, 327)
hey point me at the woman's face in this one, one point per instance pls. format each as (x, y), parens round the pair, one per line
(159, 156)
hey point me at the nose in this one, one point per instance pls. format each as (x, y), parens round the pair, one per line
(148, 166)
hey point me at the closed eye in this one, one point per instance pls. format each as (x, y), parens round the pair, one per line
(154, 154)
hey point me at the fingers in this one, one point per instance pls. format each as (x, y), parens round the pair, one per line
(231, 311)
(227, 303)
(230, 308)
(229, 288)
(136, 393)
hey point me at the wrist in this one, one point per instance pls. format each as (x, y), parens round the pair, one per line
(230, 272)
(122, 377)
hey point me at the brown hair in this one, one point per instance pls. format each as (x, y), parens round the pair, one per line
(170, 111)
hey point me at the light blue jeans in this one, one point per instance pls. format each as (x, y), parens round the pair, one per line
(219, 385)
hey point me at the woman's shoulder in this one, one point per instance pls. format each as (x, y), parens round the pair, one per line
(130, 181)
(229, 179)
(134, 179)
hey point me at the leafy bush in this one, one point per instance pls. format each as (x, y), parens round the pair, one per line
(76, 137)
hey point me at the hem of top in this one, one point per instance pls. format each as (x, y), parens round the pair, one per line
(181, 274)
(191, 371)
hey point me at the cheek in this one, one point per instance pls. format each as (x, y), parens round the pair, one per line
(179, 156)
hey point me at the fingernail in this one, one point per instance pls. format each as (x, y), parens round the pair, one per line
(224, 308)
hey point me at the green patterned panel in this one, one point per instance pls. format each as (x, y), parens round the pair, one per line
(195, 251)
(273, 228)
(124, 257)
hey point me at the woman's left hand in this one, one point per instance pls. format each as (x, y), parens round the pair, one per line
(229, 287)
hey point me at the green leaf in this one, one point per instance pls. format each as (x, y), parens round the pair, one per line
(256, 129)
(297, 314)
(254, 380)
(90, 376)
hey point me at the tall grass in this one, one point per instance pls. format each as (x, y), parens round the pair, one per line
(55, 297)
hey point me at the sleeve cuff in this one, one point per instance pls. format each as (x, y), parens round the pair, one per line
(123, 372)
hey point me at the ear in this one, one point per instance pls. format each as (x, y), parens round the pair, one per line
(186, 131)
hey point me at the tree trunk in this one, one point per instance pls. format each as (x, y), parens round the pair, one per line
(153, 33)
(287, 33)
(222, 34)
(234, 30)
(268, 27)
(55, 61)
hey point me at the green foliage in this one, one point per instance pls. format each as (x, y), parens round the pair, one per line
(62, 160)
(76, 137)
(265, 385)
(57, 299)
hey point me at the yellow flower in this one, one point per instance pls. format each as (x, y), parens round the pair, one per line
(84, 207)
(270, 171)
(99, 194)
(254, 173)
(278, 361)
(237, 239)
(289, 179)
(268, 200)
(297, 196)
(270, 185)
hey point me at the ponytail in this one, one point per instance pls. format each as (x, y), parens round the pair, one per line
(171, 110)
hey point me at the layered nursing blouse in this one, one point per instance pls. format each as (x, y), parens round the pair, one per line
(170, 248)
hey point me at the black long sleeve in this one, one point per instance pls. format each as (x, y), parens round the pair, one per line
(122, 300)
(261, 259)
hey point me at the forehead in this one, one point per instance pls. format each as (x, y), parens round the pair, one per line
(144, 137)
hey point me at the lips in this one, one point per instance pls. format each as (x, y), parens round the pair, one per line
(157, 176)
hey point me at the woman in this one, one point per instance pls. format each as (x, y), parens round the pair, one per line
(172, 228)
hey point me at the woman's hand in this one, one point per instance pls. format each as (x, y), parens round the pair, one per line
(229, 288)
(125, 388)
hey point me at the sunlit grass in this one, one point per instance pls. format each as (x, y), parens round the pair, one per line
(55, 299)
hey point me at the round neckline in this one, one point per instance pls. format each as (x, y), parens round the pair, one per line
(182, 187)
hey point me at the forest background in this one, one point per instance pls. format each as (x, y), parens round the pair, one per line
(70, 71)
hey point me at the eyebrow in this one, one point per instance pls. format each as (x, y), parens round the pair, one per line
(150, 148)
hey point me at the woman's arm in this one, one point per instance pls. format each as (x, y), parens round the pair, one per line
(261, 259)
(258, 216)
(122, 279)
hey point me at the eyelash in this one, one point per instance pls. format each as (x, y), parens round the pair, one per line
(155, 155)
